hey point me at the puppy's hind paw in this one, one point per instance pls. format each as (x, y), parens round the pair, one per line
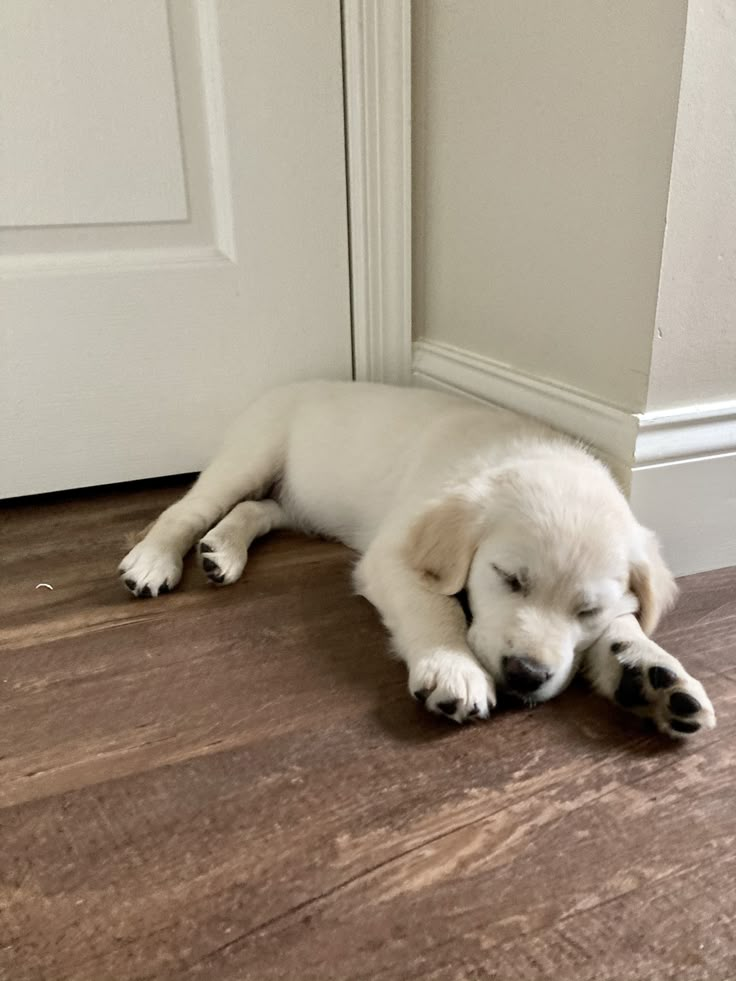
(148, 570)
(221, 561)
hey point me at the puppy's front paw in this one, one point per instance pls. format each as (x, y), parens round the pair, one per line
(658, 687)
(629, 668)
(452, 684)
(148, 570)
(640, 676)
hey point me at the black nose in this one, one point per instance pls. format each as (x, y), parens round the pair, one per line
(524, 674)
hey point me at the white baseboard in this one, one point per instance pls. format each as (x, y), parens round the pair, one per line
(691, 504)
(680, 464)
(682, 434)
(610, 429)
(683, 484)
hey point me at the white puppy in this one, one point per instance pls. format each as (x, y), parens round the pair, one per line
(441, 495)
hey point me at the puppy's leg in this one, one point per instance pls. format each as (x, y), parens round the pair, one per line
(223, 552)
(430, 635)
(250, 461)
(631, 670)
(154, 565)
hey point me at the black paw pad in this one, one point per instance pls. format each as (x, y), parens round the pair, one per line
(422, 695)
(630, 691)
(618, 646)
(131, 584)
(218, 579)
(680, 726)
(209, 566)
(204, 547)
(449, 707)
(661, 677)
(163, 589)
(683, 704)
(473, 712)
(145, 592)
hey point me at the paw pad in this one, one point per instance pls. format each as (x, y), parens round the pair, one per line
(449, 707)
(630, 692)
(683, 704)
(660, 677)
(214, 572)
(679, 725)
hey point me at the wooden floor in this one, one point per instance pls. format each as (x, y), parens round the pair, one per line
(233, 784)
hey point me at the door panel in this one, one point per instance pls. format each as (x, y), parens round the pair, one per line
(64, 145)
(178, 241)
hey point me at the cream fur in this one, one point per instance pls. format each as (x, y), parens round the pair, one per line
(436, 494)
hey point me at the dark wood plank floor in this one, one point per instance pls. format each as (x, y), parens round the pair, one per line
(232, 784)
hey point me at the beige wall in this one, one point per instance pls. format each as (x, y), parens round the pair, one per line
(543, 137)
(694, 357)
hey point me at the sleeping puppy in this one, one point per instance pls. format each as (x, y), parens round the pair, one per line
(441, 495)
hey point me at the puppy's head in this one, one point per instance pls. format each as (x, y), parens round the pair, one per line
(549, 553)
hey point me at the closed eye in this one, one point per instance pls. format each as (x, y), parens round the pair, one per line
(594, 611)
(512, 581)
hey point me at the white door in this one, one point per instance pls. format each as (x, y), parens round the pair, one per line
(174, 227)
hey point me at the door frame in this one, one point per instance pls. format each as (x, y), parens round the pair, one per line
(377, 92)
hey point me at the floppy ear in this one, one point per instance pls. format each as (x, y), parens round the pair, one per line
(651, 582)
(441, 544)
